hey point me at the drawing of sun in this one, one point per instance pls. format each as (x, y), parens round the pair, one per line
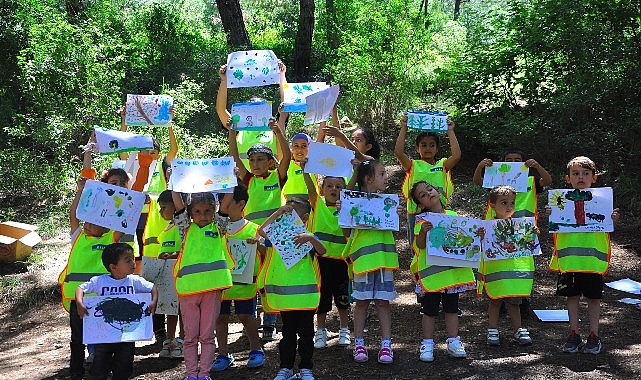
(558, 200)
(329, 162)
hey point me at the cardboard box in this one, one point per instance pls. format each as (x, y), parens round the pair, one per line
(17, 240)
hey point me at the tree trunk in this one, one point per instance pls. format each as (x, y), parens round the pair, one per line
(579, 212)
(232, 18)
(457, 8)
(303, 53)
(331, 28)
(75, 11)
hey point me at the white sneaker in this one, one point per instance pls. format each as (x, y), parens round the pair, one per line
(165, 352)
(320, 341)
(455, 348)
(306, 374)
(177, 351)
(522, 336)
(285, 374)
(493, 337)
(427, 352)
(344, 337)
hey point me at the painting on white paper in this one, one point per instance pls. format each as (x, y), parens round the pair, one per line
(625, 285)
(513, 174)
(368, 210)
(112, 141)
(281, 233)
(329, 159)
(453, 237)
(251, 116)
(252, 68)
(244, 255)
(160, 272)
(109, 206)
(197, 176)
(587, 210)
(427, 121)
(295, 94)
(116, 319)
(320, 104)
(510, 238)
(148, 109)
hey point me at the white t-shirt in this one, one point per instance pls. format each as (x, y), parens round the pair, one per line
(105, 285)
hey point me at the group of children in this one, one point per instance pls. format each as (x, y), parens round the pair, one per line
(343, 264)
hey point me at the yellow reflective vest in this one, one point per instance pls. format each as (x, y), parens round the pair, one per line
(581, 252)
(436, 175)
(370, 250)
(153, 228)
(265, 197)
(324, 224)
(243, 291)
(295, 185)
(245, 139)
(525, 204)
(170, 241)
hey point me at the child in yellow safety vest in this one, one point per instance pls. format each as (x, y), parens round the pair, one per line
(295, 185)
(582, 259)
(436, 284)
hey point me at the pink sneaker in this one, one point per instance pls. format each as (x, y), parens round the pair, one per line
(385, 356)
(360, 354)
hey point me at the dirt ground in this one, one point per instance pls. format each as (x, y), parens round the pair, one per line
(34, 339)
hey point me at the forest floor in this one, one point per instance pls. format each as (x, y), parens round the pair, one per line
(34, 332)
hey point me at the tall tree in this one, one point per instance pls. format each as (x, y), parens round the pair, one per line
(303, 53)
(232, 19)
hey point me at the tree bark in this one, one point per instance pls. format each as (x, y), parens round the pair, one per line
(232, 18)
(303, 52)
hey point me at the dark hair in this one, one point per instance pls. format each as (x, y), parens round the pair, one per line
(415, 186)
(514, 150)
(582, 162)
(501, 190)
(117, 172)
(375, 150)
(156, 144)
(365, 169)
(302, 202)
(433, 135)
(112, 253)
(165, 197)
(241, 193)
(332, 177)
(198, 198)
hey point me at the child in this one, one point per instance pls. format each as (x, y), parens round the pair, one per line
(582, 259)
(243, 295)
(295, 293)
(436, 284)
(118, 258)
(363, 141)
(428, 167)
(506, 280)
(201, 273)
(373, 258)
(295, 185)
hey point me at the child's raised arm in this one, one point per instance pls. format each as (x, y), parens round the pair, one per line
(283, 80)
(74, 222)
(399, 147)
(286, 157)
(221, 98)
(455, 154)
(123, 128)
(233, 151)
(480, 169)
(311, 189)
(173, 143)
(546, 178)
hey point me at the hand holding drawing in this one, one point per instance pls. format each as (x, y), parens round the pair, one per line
(485, 163)
(223, 72)
(404, 122)
(301, 239)
(615, 215)
(481, 233)
(548, 210)
(450, 125)
(151, 309)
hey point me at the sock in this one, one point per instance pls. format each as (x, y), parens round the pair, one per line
(386, 343)
(359, 341)
(427, 342)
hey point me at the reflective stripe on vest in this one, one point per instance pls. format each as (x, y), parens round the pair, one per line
(367, 256)
(324, 224)
(291, 289)
(436, 175)
(370, 249)
(240, 291)
(330, 238)
(581, 252)
(508, 277)
(202, 267)
(525, 203)
(260, 215)
(81, 277)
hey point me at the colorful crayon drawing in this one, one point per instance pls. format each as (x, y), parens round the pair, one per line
(244, 255)
(281, 233)
(427, 121)
(197, 176)
(111, 141)
(368, 210)
(320, 105)
(251, 116)
(159, 272)
(148, 109)
(453, 237)
(329, 159)
(252, 68)
(510, 238)
(587, 210)
(513, 174)
(115, 319)
(110, 206)
(295, 94)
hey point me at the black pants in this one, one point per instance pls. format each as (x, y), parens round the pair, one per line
(117, 358)
(295, 322)
(77, 360)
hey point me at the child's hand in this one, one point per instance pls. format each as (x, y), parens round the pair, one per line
(303, 162)
(450, 125)
(427, 225)
(338, 205)
(548, 210)
(532, 163)
(615, 215)
(331, 130)
(273, 125)
(355, 163)
(252, 240)
(481, 232)
(400, 210)
(485, 163)
(303, 238)
(282, 67)
(536, 230)
(223, 71)
(280, 107)
(404, 121)
(81, 184)
(82, 310)
(151, 309)
(172, 111)
(123, 112)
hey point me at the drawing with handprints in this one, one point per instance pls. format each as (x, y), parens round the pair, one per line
(295, 94)
(281, 234)
(364, 210)
(510, 238)
(453, 237)
(244, 255)
(320, 105)
(111, 141)
(160, 273)
(575, 210)
(513, 174)
(427, 121)
(115, 319)
(329, 160)
(110, 206)
(148, 109)
(251, 116)
(202, 175)
(252, 68)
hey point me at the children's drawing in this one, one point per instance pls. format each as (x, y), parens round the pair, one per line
(112, 141)
(427, 121)
(587, 210)
(251, 116)
(453, 237)
(320, 104)
(513, 174)
(510, 238)
(368, 210)
(197, 176)
(281, 233)
(110, 206)
(329, 159)
(159, 272)
(252, 68)
(244, 255)
(148, 109)
(295, 93)
(116, 319)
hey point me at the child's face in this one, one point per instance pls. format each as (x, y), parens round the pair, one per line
(427, 197)
(580, 178)
(118, 180)
(300, 149)
(126, 265)
(230, 207)
(331, 189)
(379, 181)
(202, 214)
(94, 230)
(513, 157)
(167, 210)
(504, 206)
(427, 148)
(259, 163)
(359, 139)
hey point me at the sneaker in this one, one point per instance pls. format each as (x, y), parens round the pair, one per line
(344, 337)
(593, 345)
(269, 333)
(360, 354)
(385, 355)
(177, 351)
(256, 358)
(285, 374)
(493, 337)
(222, 362)
(204, 378)
(306, 374)
(573, 344)
(165, 352)
(320, 341)
(190, 378)
(522, 336)
(455, 348)
(427, 353)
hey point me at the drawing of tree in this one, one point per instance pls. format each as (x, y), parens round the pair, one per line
(579, 197)
(504, 169)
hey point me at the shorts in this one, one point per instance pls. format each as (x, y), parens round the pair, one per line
(572, 284)
(376, 285)
(431, 301)
(241, 307)
(512, 300)
(334, 285)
